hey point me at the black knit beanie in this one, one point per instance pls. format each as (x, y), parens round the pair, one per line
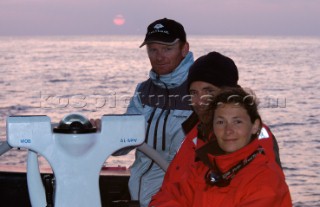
(215, 69)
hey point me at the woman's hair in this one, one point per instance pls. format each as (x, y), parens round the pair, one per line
(239, 97)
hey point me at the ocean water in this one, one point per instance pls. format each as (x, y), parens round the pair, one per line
(96, 75)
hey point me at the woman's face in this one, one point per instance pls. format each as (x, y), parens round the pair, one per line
(233, 127)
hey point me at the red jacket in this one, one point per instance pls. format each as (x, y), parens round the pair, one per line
(184, 161)
(260, 183)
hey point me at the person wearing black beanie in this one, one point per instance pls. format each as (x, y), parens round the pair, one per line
(207, 76)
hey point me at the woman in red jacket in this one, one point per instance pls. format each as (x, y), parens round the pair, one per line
(233, 169)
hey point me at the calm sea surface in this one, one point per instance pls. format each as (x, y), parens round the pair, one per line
(96, 75)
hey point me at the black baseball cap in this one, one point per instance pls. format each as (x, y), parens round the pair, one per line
(165, 31)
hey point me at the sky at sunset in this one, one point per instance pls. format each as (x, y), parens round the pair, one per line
(207, 17)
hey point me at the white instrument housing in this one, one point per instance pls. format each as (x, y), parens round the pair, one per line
(76, 159)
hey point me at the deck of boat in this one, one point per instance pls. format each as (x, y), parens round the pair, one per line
(14, 191)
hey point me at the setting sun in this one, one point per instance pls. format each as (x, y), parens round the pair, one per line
(119, 20)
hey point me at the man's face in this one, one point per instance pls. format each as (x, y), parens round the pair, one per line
(165, 58)
(202, 93)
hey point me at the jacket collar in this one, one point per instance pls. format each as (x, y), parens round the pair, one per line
(190, 123)
(211, 153)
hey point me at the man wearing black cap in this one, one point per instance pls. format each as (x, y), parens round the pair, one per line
(207, 76)
(160, 99)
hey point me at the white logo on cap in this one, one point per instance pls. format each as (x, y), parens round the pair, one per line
(158, 26)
